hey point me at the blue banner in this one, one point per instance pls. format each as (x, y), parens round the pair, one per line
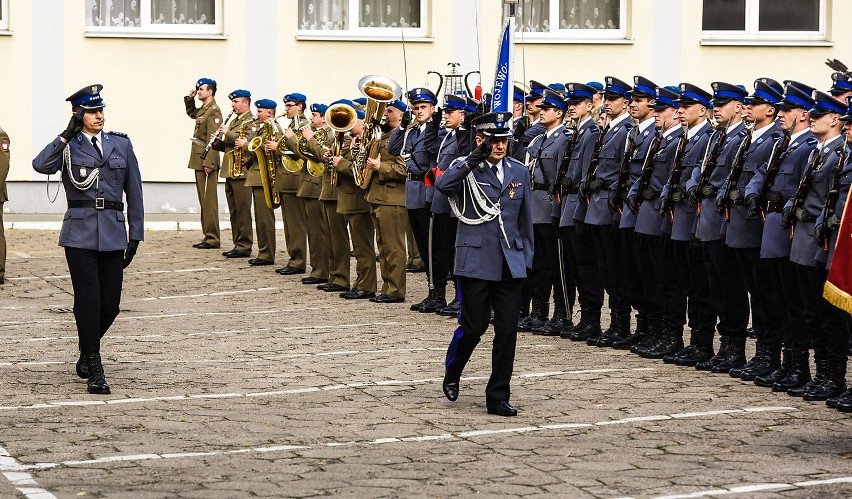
(503, 86)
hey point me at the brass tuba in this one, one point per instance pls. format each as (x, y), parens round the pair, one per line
(293, 162)
(266, 165)
(340, 118)
(379, 91)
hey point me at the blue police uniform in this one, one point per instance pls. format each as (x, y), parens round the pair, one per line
(492, 257)
(681, 225)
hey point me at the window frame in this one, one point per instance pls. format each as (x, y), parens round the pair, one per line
(151, 30)
(752, 34)
(595, 35)
(358, 33)
(4, 16)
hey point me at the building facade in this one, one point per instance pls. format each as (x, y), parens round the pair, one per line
(149, 53)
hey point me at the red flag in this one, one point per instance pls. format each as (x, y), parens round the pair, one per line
(838, 286)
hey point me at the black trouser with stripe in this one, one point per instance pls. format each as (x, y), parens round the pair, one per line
(96, 277)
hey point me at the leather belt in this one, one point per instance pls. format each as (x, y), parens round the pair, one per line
(773, 202)
(597, 185)
(97, 203)
(649, 193)
(736, 196)
(803, 216)
(416, 176)
(538, 186)
(570, 190)
(709, 190)
(676, 195)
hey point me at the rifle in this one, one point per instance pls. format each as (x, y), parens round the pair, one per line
(829, 210)
(617, 195)
(802, 192)
(557, 190)
(647, 170)
(592, 172)
(673, 185)
(709, 164)
(772, 168)
(732, 195)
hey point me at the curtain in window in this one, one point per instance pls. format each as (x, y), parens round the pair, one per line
(183, 11)
(113, 13)
(389, 13)
(323, 14)
(532, 15)
(589, 14)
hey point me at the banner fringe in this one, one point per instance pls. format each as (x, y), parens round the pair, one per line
(837, 297)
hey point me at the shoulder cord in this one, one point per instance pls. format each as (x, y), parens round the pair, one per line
(79, 185)
(485, 209)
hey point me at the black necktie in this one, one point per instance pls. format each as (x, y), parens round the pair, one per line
(95, 145)
(494, 169)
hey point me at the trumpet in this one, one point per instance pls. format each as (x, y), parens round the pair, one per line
(292, 162)
(214, 137)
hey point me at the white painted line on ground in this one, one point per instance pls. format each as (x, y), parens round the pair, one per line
(292, 391)
(202, 295)
(16, 473)
(142, 272)
(470, 434)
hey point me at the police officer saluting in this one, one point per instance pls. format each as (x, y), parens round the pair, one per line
(98, 169)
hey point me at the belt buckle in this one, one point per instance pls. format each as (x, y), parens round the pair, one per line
(734, 195)
(100, 203)
(676, 195)
(801, 214)
(707, 190)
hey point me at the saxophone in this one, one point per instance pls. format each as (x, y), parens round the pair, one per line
(236, 170)
(266, 165)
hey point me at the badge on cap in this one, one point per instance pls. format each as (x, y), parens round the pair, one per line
(635, 80)
(715, 86)
(609, 80)
(570, 87)
(500, 118)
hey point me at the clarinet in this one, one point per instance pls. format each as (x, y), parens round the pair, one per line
(214, 137)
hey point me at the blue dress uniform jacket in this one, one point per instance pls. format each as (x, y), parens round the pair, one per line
(708, 226)
(90, 228)
(419, 148)
(805, 250)
(609, 164)
(519, 147)
(744, 231)
(643, 143)
(648, 219)
(581, 156)
(544, 155)
(475, 244)
(845, 181)
(775, 240)
(448, 151)
(681, 228)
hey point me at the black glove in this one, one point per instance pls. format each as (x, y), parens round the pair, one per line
(692, 195)
(406, 119)
(720, 205)
(751, 202)
(130, 252)
(479, 154)
(785, 216)
(521, 127)
(821, 232)
(437, 116)
(612, 202)
(631, 203)
(581, 190)
(75, 126)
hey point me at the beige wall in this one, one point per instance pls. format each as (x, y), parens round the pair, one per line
(145, 79)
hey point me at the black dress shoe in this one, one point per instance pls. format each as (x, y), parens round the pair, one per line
(502, 408)
(357, 294)
(206, 246)
(197, 244)
(235, 254)
(313, 280)
(451, 388)
(288, 270)
(385, 298)
(259, 262)
(96, 382)
(333, 288)
(82, 367)
(415, 268)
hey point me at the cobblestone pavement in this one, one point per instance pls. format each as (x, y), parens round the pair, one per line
(230, 381)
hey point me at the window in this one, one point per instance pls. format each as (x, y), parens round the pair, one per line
(4, 15)
(763, 20)
(157, 17)
(570, 20)
(323, 19)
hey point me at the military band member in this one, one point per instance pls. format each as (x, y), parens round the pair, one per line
(665, 328)
(766, 193)
(492, 255)
(237, 160)
(264, 216)
(101, 170)
(828, 325)
(726, 282)
(386, 195)
(639, 139)
(4, 196)
(692, 296)
(544, 154)
(602, 223)
(288, 182)
(579, 257)
(338, 233)
(744, 231)
(352, 204)
(417, 143)
(207, 118)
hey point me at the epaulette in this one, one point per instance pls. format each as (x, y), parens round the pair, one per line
(812, 141)
(118, 134)
(777, 135)
(742, 133)
(514, 161)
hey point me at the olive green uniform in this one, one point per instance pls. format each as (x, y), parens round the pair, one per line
(207, 118)
(292, 211)
(386, 194)
(338, 234)
(351, 202)
(264, 216)
(317, 229)
(238, 196)
(4, 196)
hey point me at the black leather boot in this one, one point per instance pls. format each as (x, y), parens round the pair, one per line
(768, 363)
(724, 345)
(82, 367)
(538, 324)
(758, 357)
(536, 318)
(451, 310)
(556, 324)
(96, 382)
(639, 335)
(735, 357)
(592, 329)
(671, 342)
(779, 373)
(842, 402)
(700, 349)
(818, 379)
(438, 301)
(834, 383)
(798, 375)
(417, 307)
(619, 329)
(653, 335)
